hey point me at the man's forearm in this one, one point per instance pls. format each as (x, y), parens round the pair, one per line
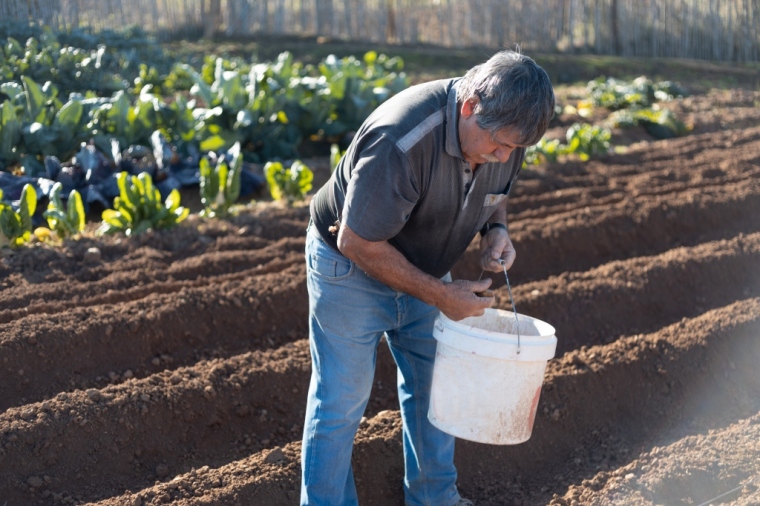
(386, 264)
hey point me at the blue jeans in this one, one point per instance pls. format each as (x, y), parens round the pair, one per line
(348, 314)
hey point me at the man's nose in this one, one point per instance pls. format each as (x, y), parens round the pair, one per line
(503, 154)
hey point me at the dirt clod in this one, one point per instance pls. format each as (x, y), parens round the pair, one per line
(275, 456)
(92, 256)
(162, 471)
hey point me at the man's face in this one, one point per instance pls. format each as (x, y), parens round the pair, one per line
(479, 145)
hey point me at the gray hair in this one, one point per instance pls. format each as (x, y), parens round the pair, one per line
(513, 92)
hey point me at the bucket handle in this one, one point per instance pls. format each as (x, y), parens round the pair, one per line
(512, 300)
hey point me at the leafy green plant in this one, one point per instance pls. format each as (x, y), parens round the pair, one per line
(583, 140)
(220, 185)
(65, 220)
(545, 151)
(587, 140)
(16, 226)
(289, 184)
(660, 123)
(268, 107)
(138, 207)
(616, 94)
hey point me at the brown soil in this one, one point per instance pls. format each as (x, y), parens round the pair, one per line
(174, 369)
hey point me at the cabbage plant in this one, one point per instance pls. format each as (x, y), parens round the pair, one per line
(65, 220)
(220, 185)
(16, 226)
(138, 208)
(289, 184)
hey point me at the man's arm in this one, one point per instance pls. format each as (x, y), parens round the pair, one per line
(386, 264)
(496, 244)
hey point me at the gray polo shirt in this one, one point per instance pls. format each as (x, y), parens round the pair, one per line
(404, 180)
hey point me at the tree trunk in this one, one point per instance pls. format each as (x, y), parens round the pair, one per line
(324, 17)
(571, 25)
(211, 19)
(614, 26)
(348, 11)
(390, 21)
(279, 17)
(360, 15)
(306, 14)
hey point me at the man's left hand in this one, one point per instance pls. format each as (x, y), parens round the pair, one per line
(496, 245)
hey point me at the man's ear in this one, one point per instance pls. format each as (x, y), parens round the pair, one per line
(468, 107)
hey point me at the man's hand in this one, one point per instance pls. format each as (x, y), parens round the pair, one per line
(459, 300)
(380, 260)
(496, 245)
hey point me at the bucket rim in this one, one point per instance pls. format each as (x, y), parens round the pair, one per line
(546, 331)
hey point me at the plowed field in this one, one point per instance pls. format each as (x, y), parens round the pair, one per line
(174, 369)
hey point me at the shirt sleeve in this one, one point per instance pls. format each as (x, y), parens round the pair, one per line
(382, 192)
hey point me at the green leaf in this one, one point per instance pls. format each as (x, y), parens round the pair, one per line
(12, 89)
(114, 218)
(121, 182)
(55, 197)
(209, 182)
(69, 116)
(141, 228)
(10, 133)
(13, 48)
(181, 214)
(213, 143)
(229, 86)
(35, 100)
(220, 203)
(273, 171)
(172, 201)
(27, 206)
(200, 88)
(76, 216)
(56, 220)
(40, 139)
(370, 57)
(304, 176)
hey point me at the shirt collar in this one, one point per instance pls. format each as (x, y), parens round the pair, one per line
(452, 126)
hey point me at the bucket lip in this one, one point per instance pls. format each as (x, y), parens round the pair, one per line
(547, 331)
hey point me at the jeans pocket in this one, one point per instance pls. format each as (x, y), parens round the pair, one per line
(328, 264)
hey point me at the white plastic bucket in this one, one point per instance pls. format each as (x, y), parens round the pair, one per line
(483, 390)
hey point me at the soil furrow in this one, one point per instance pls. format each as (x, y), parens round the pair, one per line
(600, 407)
(119, 435)
(586, 238)
(675, 161)
(125, 282)
(654, 182)
(606, 198)
(140, 290)
(641, 294)
(654, 291)
(272, 476)
(82, 347)
(221, 410)
(712, 273)
(603, 405)
(690, 471)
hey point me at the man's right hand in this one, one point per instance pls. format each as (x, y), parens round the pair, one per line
(459, 300)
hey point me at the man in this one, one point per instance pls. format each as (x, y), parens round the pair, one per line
(427, 171)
